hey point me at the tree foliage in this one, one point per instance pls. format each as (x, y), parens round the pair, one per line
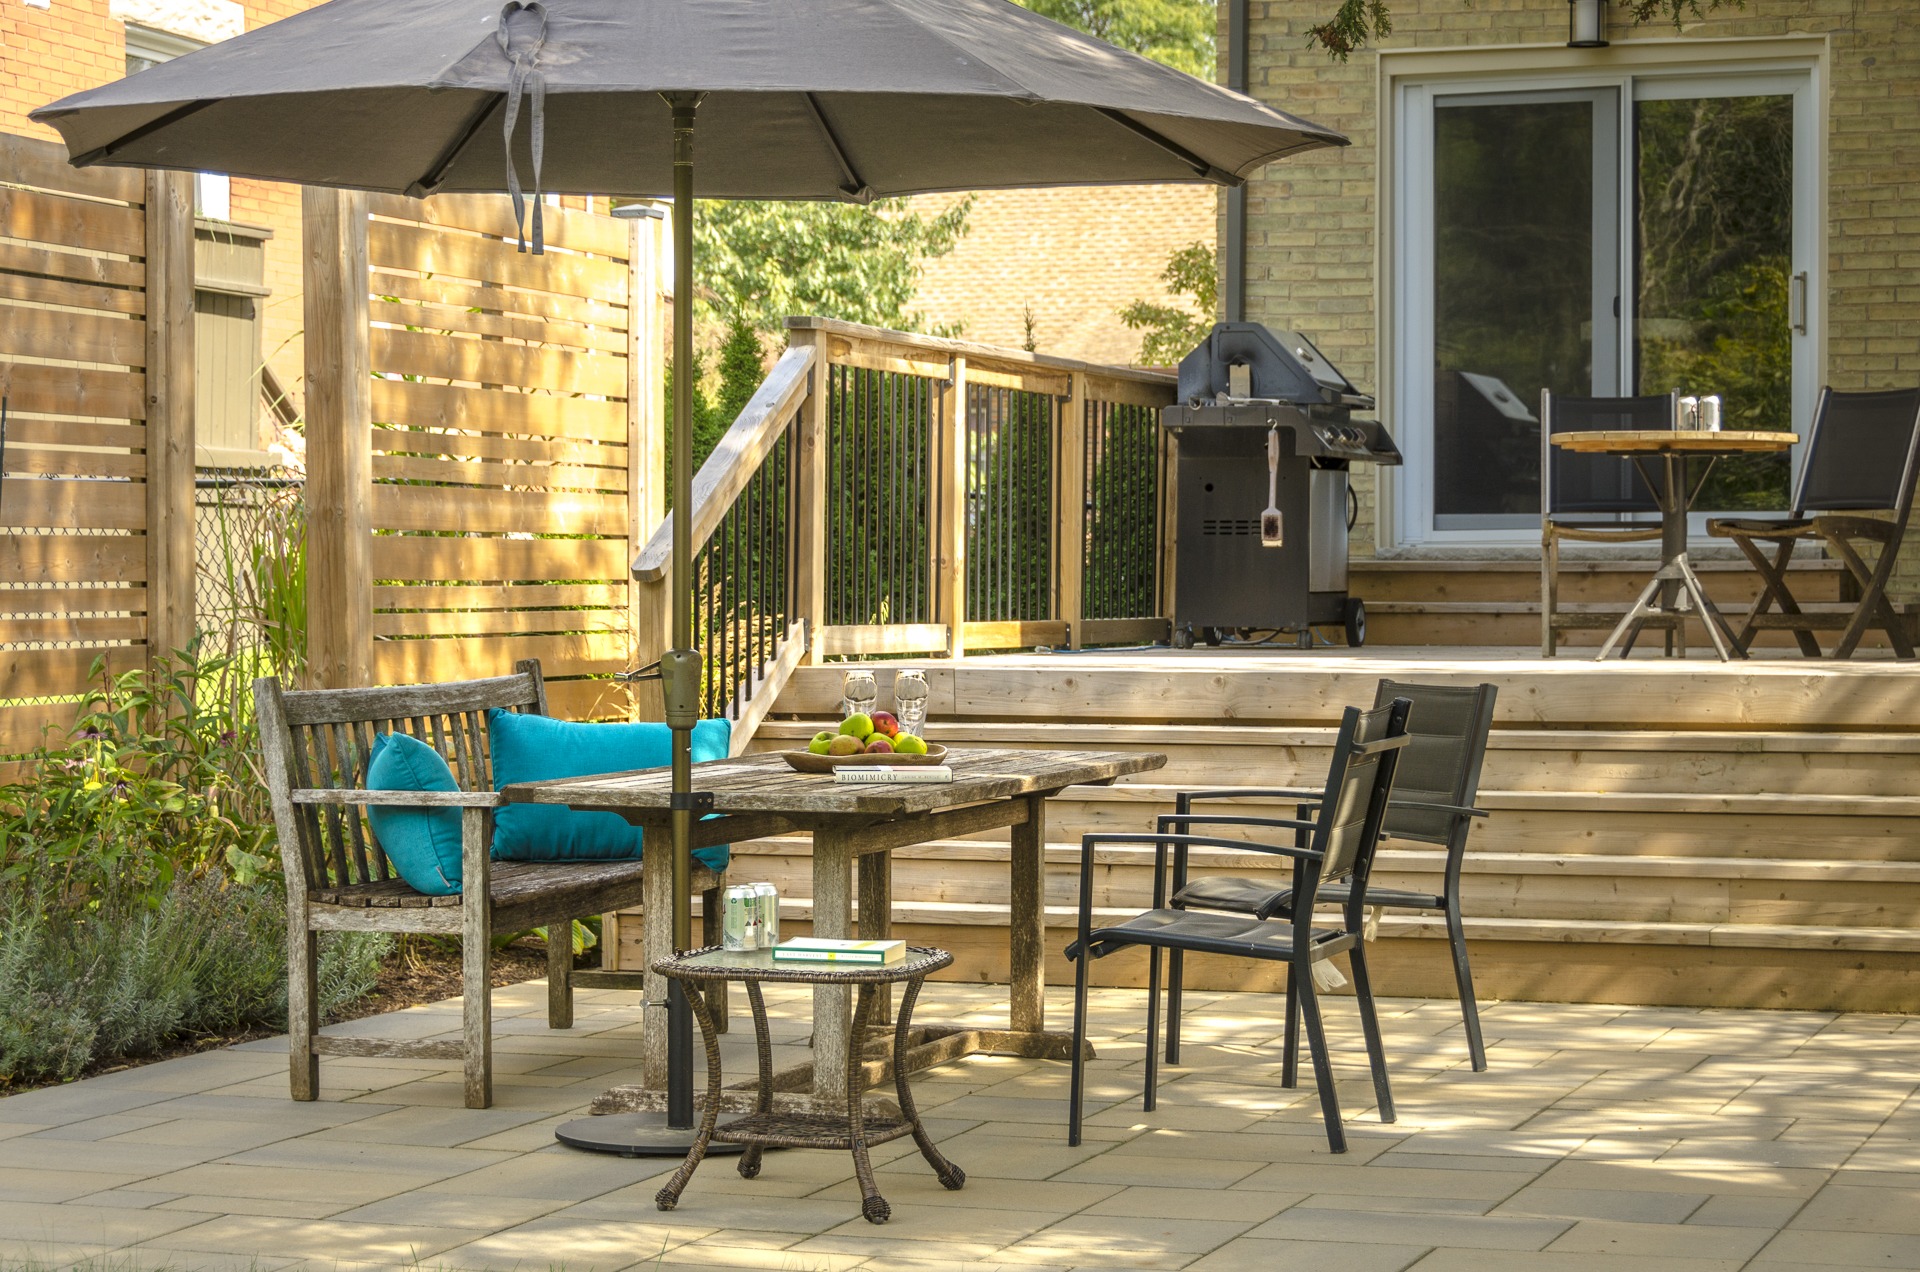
(1178, 33)
(1357, 22)
(1171, 331)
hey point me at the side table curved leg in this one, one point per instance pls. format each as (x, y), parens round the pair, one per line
(669, 1195)
(951, 1177)
(763, 1047)
(872, 1205)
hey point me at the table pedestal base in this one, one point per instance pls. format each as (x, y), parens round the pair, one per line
(1674, 589)
(639, 1134)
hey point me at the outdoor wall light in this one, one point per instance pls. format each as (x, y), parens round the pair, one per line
(1587, 24)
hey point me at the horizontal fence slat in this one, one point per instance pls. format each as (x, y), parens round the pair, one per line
(72, 600)
(116, 395)
(428, 251)
(407, 662)
(59, 291)
(526, 596)
(464, 320)
(496, 411)
(465, 472)
(498, 560)
(389, 441)
(77, 433)
(73, 504)
(879, 638)
(569, 229)
(78, 558)
(27, 725)
(491, 362)
(75, 337)
(1014, 635)
(77, 267)
(31, 161)
(589, 700)
(500, 622)
(50, 673)
(52, 461)
(574, 310)
(505, 511)
(70, 223)
(72, 627)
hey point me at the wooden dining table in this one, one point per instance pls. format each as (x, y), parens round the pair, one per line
(854, 828)
(1674, 588)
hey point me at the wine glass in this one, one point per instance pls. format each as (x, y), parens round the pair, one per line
(910, 700)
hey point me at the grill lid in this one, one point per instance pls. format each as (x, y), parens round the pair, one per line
(1244, 361)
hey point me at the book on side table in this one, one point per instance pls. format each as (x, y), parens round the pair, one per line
(822, 949)
(865, 773)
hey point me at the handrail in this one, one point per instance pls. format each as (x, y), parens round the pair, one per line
(734, 461)
(979, 356)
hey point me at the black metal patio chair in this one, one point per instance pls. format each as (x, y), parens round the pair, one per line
(1861, 457)
(1338, 848)
(1434, 790)
(1585, 498)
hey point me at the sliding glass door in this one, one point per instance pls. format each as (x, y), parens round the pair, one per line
(1626, 237)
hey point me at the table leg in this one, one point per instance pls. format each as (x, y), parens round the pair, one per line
(669, 1195)
(1027, 931)
(832, 917)
(876, 919)
(656, 943)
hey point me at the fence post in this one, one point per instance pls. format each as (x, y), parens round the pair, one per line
(339, 440)
(170, 441)
(646, 453)
(1070, 512)
(950, 529)
(809, 496)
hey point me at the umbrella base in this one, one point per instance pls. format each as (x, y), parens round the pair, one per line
(635, 1135)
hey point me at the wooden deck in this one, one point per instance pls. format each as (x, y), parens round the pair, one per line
(1663, 831)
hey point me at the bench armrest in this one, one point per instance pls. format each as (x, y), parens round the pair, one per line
(397, 799)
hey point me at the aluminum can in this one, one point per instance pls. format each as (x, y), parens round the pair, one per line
(767, 898)
(738, 930)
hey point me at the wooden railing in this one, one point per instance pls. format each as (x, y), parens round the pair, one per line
(889, 493)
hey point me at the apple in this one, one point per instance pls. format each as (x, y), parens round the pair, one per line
(885, 723)
(858, 725)
(845, 744)
(878, 745)
(821, 741)
(908, 744)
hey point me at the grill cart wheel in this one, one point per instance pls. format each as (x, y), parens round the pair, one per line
(1183, 637)
(1212, 635)
(1354, 619)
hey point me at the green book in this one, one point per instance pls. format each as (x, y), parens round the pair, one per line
(821, 949)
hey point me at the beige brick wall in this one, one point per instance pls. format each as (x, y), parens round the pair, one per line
(1312, 220)
(1076, 254)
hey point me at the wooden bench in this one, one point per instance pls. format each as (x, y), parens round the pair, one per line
(316, 744)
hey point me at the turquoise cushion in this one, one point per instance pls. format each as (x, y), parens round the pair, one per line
(531, 748)
(422, 843)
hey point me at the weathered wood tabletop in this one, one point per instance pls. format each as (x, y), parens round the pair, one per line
(761, 795)
(1627, 441)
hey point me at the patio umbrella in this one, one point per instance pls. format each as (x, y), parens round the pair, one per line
(795, 99)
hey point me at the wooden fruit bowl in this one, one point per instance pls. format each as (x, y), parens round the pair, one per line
(808, 762)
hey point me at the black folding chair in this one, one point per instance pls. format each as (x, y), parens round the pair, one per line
(1861, 457)
(1584, 497)
(1338, 848)
(1434, 790)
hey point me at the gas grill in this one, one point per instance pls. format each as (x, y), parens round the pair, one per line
(1264, 437)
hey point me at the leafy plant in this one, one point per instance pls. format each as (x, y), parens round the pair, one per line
(1171, 331)
(1356, 22)
(1178, 33)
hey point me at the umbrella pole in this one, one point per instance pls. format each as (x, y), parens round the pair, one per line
(642, 1134)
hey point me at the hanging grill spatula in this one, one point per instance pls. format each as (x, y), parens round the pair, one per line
(1270, 531)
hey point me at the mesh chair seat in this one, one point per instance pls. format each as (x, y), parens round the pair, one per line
(1203, 932)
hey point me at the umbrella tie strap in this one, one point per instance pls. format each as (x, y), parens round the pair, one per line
(525, 78)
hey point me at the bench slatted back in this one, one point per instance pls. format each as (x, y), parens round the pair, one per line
(323, 739)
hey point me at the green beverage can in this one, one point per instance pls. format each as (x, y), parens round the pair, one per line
(768, 912)
(738, 928)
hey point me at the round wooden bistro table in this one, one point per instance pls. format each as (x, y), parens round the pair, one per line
(851, 1128)
(1674, 588)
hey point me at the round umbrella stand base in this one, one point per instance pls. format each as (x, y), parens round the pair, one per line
(635, 1135)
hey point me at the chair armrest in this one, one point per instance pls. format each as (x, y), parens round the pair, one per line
(398, 799)
(1424, 807)
(1197, 841)
(1245, 792)
(1845, 525)
(1196, 819)
(1755, 528)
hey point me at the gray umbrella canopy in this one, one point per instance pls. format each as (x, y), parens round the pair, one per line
(806, 99)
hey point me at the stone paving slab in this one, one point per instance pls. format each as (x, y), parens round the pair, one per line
(1603, 1139)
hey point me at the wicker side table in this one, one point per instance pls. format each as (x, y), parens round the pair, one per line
(764, 1128)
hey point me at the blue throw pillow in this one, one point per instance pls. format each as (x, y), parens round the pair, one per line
(532, 748)
(422, 843)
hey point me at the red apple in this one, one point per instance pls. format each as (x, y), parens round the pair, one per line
(884, 722)
(879, 746)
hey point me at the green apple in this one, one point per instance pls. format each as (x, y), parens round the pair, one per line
(908, 744)
(858, 725)
(821, 741)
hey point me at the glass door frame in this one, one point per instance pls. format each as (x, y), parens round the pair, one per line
(1650, 70)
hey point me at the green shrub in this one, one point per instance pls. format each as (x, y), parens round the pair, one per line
(127, 977)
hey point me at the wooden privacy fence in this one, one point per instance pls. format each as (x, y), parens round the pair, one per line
(483, 442)
(888, 493)
(96, 366)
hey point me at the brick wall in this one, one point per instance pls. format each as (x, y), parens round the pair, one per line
(1076, 254)
(1313, 222)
